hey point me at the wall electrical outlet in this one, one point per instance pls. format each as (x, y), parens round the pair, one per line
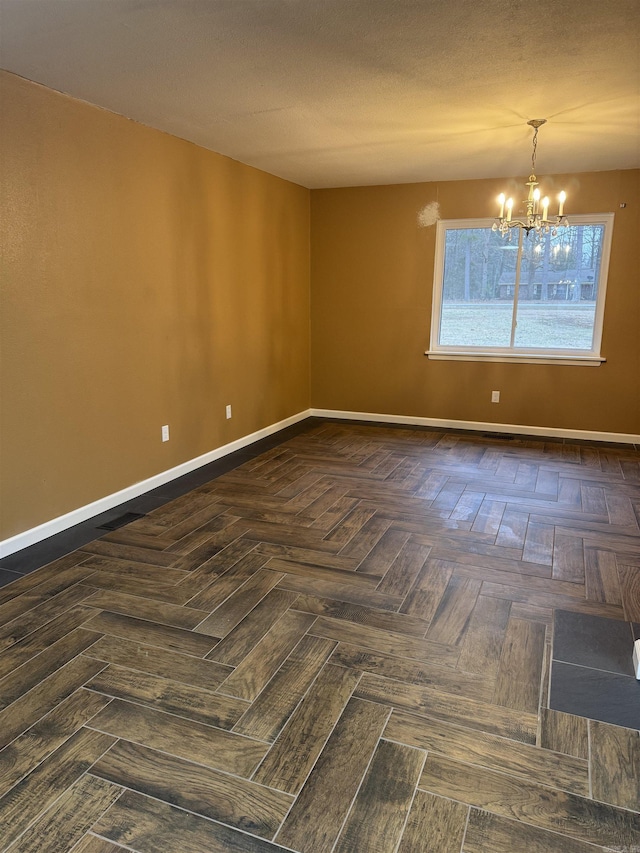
(165, 432)
(495, 396)
(228, 411)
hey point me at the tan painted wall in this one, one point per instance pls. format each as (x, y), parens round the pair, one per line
(371, 290)
(145, 281)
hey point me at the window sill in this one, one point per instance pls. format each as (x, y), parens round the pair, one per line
(519, 358)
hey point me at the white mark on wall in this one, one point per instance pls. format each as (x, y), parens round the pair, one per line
(429, 214)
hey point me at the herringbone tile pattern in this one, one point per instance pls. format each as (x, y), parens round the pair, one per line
(342, 645)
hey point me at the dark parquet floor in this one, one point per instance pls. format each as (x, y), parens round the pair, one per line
(342, 645)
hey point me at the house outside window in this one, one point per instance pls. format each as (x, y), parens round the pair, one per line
(520, 298)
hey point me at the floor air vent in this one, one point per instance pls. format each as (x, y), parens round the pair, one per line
(503, 435)
(121, 520)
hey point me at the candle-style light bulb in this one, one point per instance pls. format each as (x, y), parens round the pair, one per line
(545, 208)
(536, 199)
(509, 208)
(562, 198)
(501, 203)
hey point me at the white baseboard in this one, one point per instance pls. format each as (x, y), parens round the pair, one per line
(76, 516)
(479, 426)
(83, 513)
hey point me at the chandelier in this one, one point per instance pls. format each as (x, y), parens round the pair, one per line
(536, 219)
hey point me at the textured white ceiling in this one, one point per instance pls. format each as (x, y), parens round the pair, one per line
(352, 92)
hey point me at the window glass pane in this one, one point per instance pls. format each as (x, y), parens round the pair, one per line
(558, 288)
(478, 288)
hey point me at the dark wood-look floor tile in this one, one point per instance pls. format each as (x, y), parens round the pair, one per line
(296, 537)
(429, 702)
(181, 509)
(46, 735)
(400, 576)
(180, 737)
(399, 623)
(55, 571)
(44, 697)
(314, 822)
(223, 530)
(298, 745)
(496, 753)
(538, 544)
(279, 699)
(532, 613)
(332, 574)
(381, 593)
(146, 825)
(615, 764)
(25, 623)
(467, 507)
(513, 528)
(593, 500)
(42, 591)
(129, 535)
(444, 678)
(249, 631)
(520, 578)
(511, 592)
(306, 559)
(229, 580)
(324, 498)
(49, 661)
(472, 557)
(451, 619)
(520, 669)
(161, 662)
(601, 576)
(262, 662)
(24, 803)
(144, 608)
(380, 809)
(630, 584)
(568, 558)
(152, 633)
(482, 644)
(489, 517)
(490, 833)
(352, 593)
(142, 587)
(384, 552)
(620, 509)
(426, 593)
(128, 553)
(431, 486)
(168, 695)
(358, 533)
(384, 641)
(219, 796)
(578, 817)
(435, 825)
(69, 818)
(92, 844)
(40, 639)
(225, 617)
(564, 733)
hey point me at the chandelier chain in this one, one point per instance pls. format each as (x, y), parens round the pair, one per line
(533, 154)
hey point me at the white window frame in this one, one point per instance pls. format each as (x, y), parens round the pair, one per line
(539, 355)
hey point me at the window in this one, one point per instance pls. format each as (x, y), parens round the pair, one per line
(520, 298)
